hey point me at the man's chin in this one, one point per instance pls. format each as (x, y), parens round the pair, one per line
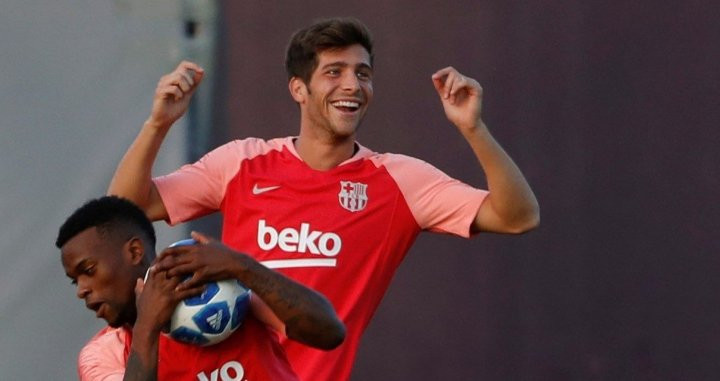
(347, 132)
(341, 137)
(117, 321)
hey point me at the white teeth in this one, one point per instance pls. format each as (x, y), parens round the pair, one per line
(346, 104)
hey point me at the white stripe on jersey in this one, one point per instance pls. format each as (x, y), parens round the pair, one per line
(289, 263)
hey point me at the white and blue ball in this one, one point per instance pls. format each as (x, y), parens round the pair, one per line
(212, 316)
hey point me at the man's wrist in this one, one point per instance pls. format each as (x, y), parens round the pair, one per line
(157, 126)
(146, 330)
(478, 129)
(241, 265)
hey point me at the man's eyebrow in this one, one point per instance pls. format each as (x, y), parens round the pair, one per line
(345, 64)
(336, 63)
(78, 265)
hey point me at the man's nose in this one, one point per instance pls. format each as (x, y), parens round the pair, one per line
(350, 82)
(82, 290)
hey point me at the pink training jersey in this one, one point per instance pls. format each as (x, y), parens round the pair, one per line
(342, 232)
(252, 353)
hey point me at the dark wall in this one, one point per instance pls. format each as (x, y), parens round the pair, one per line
(610, 109)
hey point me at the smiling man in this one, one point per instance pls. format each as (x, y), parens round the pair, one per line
(333, 101)
(320, 207)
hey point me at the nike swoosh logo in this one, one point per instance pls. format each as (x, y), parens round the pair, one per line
(258, 190)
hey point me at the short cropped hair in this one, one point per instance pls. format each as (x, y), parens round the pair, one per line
(305, 44)
(113, 216)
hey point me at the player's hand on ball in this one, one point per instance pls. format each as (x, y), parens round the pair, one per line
(207, 260)
(219, 310)
(157, 296)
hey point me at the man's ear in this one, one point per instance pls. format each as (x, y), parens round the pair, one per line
(136, 250)
(298, 89)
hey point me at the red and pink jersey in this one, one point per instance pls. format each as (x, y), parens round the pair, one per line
(252, 353)
(342, 232)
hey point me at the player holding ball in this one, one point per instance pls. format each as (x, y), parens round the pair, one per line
(107, 248)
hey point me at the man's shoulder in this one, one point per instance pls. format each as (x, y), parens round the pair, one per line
(251, 147)
(105, 352)
(390, 158)
(108, 337)
(260, 142)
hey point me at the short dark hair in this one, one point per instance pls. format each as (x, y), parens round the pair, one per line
(333, 33)
(111, 215)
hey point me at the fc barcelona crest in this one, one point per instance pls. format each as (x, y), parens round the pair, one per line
(353, 196)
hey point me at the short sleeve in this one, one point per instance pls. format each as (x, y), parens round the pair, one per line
(438, 202)
(198, 189)
(103, 357)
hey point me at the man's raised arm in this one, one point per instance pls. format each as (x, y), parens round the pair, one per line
(133, 176)
(511, 206)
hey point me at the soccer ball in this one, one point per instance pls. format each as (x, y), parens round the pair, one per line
(214, 315)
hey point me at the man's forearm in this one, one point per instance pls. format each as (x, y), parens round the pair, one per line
(133, 176)
(143, 358)
(308, 316)
(511, 198)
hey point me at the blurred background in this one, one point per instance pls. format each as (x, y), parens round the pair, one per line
(610, 109)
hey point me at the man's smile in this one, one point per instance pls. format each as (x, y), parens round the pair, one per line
(346, 105)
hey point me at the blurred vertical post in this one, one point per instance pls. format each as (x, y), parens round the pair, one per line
(200, 24)
(201, 28)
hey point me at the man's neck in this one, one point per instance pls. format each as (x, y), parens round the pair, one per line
(323, 155)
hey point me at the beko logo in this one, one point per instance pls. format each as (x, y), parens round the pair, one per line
(293, 241)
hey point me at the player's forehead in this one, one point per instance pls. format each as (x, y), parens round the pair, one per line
(85, 246)
(353, 55)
